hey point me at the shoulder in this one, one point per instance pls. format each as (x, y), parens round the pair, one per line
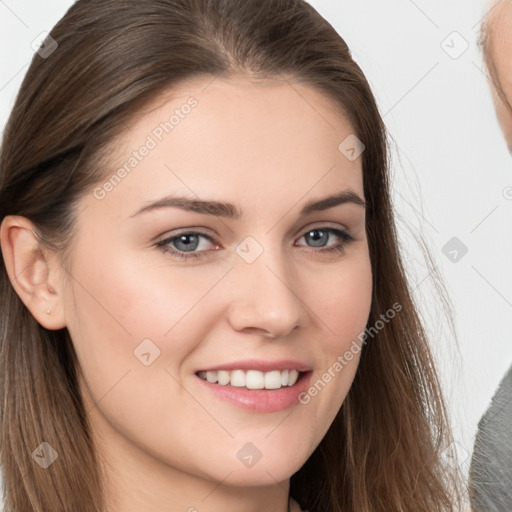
(491, 465)
(499, 414)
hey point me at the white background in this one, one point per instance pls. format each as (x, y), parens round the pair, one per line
(450, 168)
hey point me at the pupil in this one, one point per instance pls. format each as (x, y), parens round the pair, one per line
(316, 238)
(189, 246)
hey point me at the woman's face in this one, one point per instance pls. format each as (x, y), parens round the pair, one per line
(158, 294)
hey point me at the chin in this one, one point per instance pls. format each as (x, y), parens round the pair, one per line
(264, 476)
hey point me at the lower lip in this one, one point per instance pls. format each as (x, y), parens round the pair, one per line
(261, 400)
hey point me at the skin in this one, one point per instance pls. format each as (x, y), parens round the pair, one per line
(165, 442)
(498, 25)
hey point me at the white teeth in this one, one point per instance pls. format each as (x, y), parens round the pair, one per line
(211, 376)
(252, 379)
(223, 377)
(238, 378)
(273, 380)
(292, 378)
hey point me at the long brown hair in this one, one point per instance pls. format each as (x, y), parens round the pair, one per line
(383, 451)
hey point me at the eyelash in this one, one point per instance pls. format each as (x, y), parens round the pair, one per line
(338, 249)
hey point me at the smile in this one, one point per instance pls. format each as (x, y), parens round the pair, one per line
(256, 390)
(252, 379)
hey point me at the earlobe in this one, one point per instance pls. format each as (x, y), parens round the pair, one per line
(30, 271)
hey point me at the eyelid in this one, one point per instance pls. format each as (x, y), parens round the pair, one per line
(325, 224)
(196, 230)
(342, 233)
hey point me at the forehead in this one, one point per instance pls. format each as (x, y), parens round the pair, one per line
(240, 105)
(277, 137)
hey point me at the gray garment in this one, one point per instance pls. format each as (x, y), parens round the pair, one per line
(490, 478)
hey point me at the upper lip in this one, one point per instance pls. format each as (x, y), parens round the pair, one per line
(261, 365)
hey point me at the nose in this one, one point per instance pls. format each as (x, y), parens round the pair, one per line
(263, 298)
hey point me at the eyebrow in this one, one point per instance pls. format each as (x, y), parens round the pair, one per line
(231, 211)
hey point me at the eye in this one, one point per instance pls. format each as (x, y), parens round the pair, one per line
(319, 237)
(184, 244)
(189, 244)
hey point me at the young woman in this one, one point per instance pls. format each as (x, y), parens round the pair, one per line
(204, 306)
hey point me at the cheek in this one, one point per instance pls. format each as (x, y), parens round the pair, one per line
(129, 302)
(119, 313)
(343, 302)
(344, 307)
(110, 311)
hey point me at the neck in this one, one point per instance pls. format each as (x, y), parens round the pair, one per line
(141, 484)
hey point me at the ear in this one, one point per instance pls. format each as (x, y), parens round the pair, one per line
(33, 271)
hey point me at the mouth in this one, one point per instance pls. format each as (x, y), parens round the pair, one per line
(252, 379)
(256, 391)
(257, 386)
